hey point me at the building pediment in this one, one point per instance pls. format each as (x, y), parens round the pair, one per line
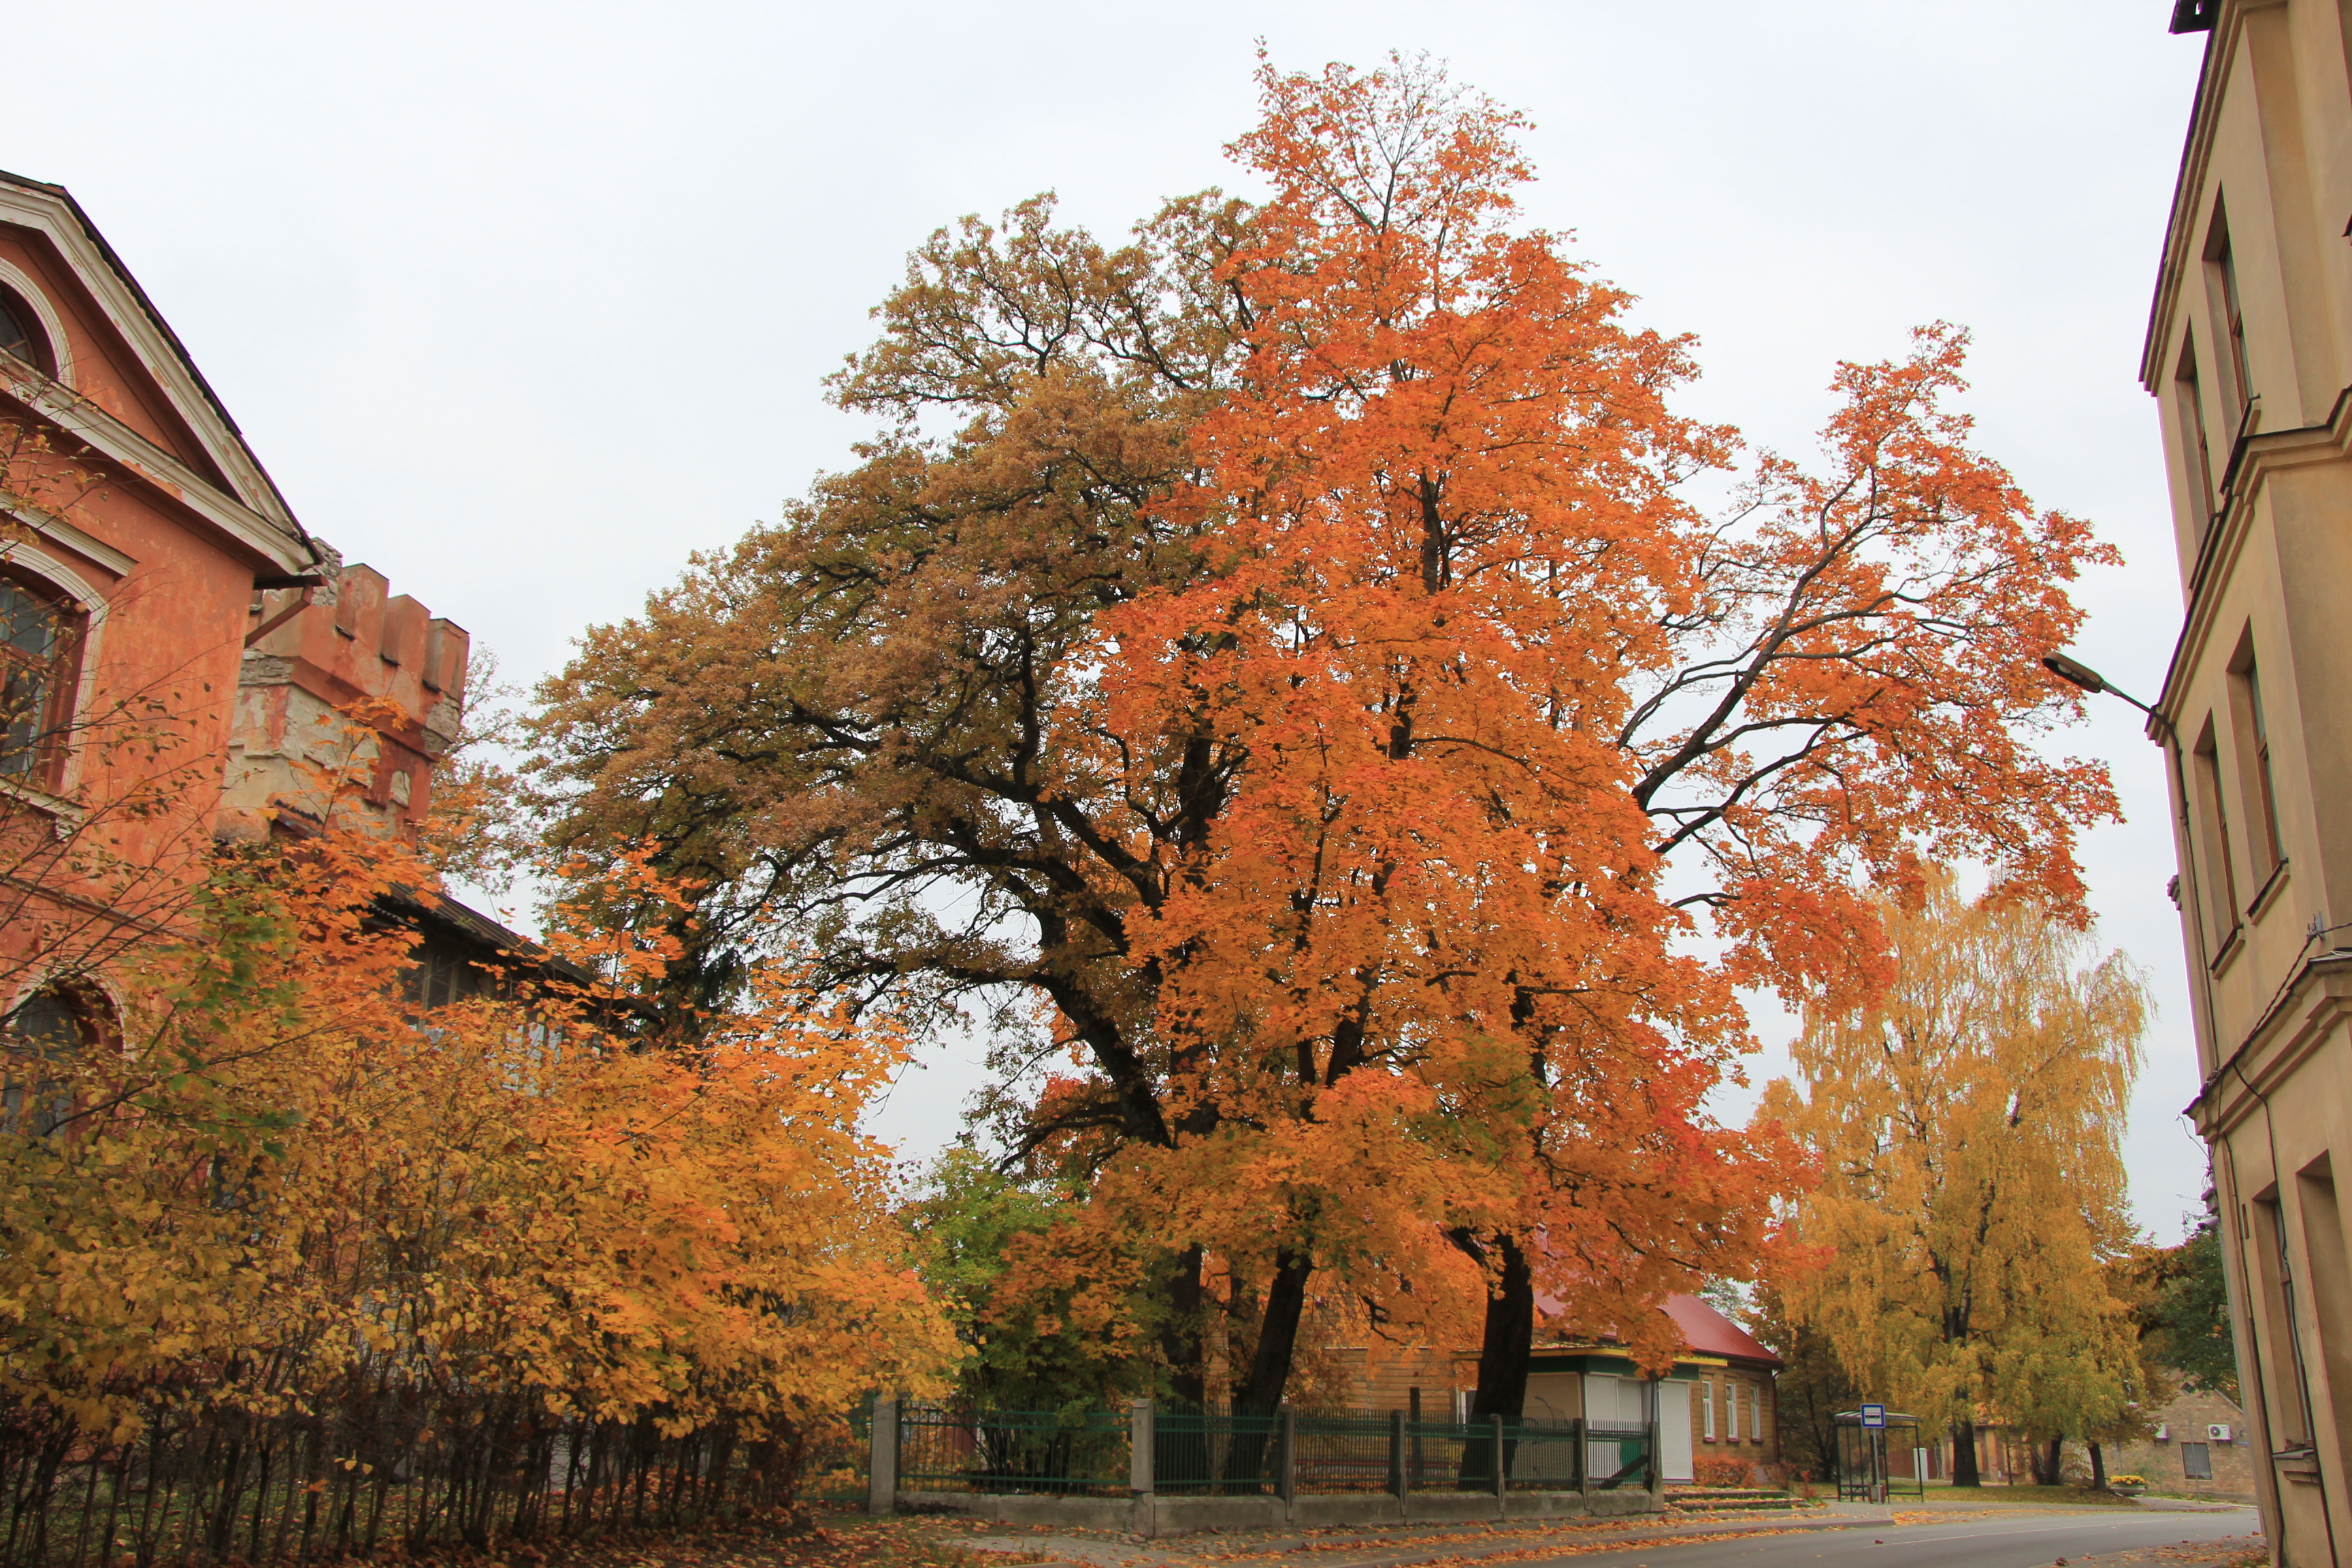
(117, 379)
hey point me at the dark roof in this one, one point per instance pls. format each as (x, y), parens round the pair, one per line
(417, 906)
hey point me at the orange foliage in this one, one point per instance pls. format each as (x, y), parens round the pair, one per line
(1306, 670)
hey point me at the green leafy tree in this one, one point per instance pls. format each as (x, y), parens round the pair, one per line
(972, 1218)
(1811, 1389)
(2183, 1302)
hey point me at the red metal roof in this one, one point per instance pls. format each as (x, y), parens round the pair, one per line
(1705, 1332)
(1709, 1333)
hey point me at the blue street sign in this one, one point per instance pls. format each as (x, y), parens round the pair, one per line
(1874, 1416)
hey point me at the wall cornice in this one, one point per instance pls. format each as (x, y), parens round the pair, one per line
(2196, 153)
(277, 544)
(2258, 456)
(2310, 1004)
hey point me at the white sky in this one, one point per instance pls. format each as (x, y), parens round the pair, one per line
(521, 303)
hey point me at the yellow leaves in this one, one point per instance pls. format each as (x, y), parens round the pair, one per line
(1967, 1125)
(499, 1197)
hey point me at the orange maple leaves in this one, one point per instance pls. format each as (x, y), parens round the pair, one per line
(1300, 677)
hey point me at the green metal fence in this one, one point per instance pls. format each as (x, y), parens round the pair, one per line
(1620, 1455)
(1343, 1452)
(1206, 1452)
(833, 1465)
(1546, 1455)
(1063, 1453)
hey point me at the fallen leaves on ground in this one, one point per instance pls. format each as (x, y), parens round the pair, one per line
(837, 1542)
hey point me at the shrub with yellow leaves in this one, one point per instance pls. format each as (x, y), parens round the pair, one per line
(305, 1269)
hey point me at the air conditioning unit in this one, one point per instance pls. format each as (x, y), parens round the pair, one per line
(2163, 1433)
(2217, 1432)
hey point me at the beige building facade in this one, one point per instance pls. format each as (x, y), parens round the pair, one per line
(2249, 356)
(2200, 1446)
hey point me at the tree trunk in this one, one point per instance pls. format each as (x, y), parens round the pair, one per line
(1504, 1350)
(1964, 1455)
(2046, 1459)
(2098, 1470)
(1509, 1343)
(1244, 1314)
(1261, 1396)
(1278, 1335)
(1180, 1331)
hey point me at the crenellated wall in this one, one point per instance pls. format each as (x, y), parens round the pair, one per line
(346, 698)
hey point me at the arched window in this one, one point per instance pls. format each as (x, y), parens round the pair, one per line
(45, 1033)
(21, 334)
(40, 645)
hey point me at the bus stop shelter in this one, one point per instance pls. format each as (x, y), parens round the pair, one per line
(1865, 1439)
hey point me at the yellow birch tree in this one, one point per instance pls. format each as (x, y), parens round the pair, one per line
(1967, 1123)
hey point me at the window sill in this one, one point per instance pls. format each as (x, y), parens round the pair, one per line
(64, 815)
(2232, 946)
(2268, 893)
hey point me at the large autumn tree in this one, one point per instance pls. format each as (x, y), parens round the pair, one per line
(1968, 1122)
(1273, 660)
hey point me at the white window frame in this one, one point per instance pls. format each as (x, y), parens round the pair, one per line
(31, 558)
(21, 284)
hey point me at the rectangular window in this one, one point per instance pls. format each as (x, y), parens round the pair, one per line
(1706, 1409)
(2254, 746)
(2234, 321)
(1731, 1412)
(2213, 833)
(2274, 1281)
(38, 638)
(2328, 1287)
(2189, 407)
(2196, 1462)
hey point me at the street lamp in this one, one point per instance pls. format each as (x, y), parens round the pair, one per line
(2077, 673)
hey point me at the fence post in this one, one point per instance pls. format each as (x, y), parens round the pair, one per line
(1657, 1458)
(1287, 1476)
(1584, 1461)
(1398, 1483)
(1139, 1448)
(882, 1457)
(1412, 1419)
(1502, 1465)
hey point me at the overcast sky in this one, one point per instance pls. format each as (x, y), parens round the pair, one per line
(521, 304)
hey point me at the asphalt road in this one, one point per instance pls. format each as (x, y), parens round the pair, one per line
(2005, 1541)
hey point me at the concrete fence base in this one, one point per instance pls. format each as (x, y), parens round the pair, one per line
(1159, 1515)
(1151, 1513)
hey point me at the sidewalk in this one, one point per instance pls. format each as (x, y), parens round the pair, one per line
(1398, 1546)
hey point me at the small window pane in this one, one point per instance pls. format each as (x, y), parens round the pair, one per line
(2196, 1462)
(29, 624)
(32, 643)
(16, 338)
(44, 1028)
